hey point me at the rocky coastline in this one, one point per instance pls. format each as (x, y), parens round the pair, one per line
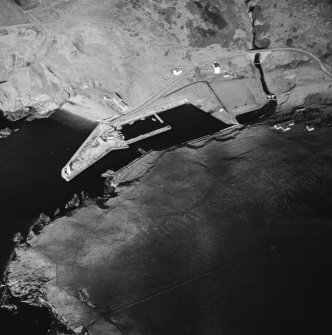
(200, 195)
(27, 291)
(12, 297)
(31, 288)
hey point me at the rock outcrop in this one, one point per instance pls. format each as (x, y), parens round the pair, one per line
(5, 132)
(88, 47)
(74, 202)
(39, 223)
(301, 24)
(28, 4)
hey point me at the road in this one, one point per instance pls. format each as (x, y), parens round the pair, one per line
(190, 72)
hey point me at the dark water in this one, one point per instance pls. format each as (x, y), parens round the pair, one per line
(26, 320)
(255, 116)
(258, 65)
(295, 286)
(31, 160)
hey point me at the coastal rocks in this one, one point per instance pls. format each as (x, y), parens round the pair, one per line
(5, 132)
(84, 196)
(28, 4)
(109, 185)
(18, 238)
(77, 200)
(24, 81)
(56, 212)
(9, 307)
(43, 106)
(26, 285)
(18, 114)
(32, 280)
(25, 99)
(74, 202)
(39, 223)
(108, 173)
(81, 331)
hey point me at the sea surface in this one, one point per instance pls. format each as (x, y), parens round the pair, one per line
(289, 282)
(31, 160)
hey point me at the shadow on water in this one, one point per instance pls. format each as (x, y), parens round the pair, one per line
(258, 114)
(257, 62)
(268, 109)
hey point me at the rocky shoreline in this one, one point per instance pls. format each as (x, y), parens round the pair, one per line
(11, 298)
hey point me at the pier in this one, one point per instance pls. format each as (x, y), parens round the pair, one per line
(121, 133)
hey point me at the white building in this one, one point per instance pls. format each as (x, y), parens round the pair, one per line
(216, 68)
(177, 71)
(118, 101)
(281, 127)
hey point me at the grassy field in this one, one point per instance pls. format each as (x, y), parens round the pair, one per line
(10, 14)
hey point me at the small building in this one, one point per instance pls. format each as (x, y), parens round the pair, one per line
(284, 126)
(177, 71)
(216, 68)
(310, 127)
(119, 102)
(281, 127)
(271, 97)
